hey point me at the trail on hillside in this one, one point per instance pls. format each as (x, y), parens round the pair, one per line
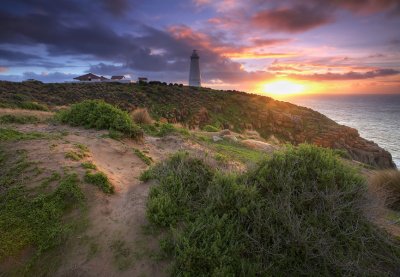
(115, 242)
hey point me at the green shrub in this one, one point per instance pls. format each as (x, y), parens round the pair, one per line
(100, 115)
(166, 129)
(297, 213)
(100, 180)
(32, 106)
(210, 128)
(18, 119)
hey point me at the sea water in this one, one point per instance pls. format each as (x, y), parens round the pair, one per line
(376, 117)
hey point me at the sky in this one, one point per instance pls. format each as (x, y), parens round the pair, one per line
(270, 47)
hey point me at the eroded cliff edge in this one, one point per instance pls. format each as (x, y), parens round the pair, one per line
(198, 107)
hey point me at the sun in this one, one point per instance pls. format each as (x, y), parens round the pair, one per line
(283, 87)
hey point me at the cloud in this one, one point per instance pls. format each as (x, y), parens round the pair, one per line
(3, 69)
(116, 7)
(293, 20)
(53, 77)
(16, 56)
(347, 76)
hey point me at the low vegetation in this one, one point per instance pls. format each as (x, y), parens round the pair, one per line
(89, 165)
(18, 119)
(210, 128)
(7, 134)
(100, 180)
(141, 116)
(163, 129)
(146, 159)
(296, 213)
(26, 105)
(33, 220)
(100, 115)
(389, 181)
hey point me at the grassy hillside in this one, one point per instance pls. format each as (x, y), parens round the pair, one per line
(205, 108)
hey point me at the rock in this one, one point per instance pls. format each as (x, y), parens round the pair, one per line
(258, 145)
(231, 138)
(217, 138)
(225, 132)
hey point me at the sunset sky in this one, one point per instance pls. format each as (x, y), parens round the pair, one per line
(272, 47)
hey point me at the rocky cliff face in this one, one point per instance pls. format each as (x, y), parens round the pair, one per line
(197, 107)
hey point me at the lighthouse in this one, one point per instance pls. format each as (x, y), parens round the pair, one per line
(194, 75)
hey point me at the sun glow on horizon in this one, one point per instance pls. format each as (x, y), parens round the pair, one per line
(283, 88)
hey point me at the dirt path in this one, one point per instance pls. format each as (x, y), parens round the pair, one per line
(114, 244)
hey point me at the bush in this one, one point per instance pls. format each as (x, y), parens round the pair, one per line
(100, 115)
(297, 213)
(166, 129)
(100, 180)
(141, 116)
(32, 106)
(210, 128)
(389, 181)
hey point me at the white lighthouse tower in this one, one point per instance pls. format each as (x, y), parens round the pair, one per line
(194, 75)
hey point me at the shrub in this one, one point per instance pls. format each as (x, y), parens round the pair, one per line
(210, 128)
(32, 106)
(18, 119)
(389, 181)
(166, 129)
(141, 116)
(100, 115)
(297, 213)
(100, 180)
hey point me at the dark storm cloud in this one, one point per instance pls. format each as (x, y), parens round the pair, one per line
(150, 50)
(347, 76)
(294, 19)
(16, 56)
(116, 7)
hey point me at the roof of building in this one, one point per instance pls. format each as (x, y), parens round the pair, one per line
(103, 78)
(117, 77)
(88, 76)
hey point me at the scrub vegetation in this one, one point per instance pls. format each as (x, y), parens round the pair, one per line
(100, 115)
(33, 218)
(298, 212)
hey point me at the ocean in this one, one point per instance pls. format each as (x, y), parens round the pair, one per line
(376, 117)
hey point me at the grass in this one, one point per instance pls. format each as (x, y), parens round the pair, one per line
(26, 105)
(29, 220)
(210, 128)
(18, 119)
(7, 134)
(226, 150)
(296, 213)
(100, 180)
(82, 152)
(89, 165)
(123, 257)
(146, 159)
(389, 181)
(100, 115)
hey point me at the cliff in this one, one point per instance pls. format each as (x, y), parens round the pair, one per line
(197, 107)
